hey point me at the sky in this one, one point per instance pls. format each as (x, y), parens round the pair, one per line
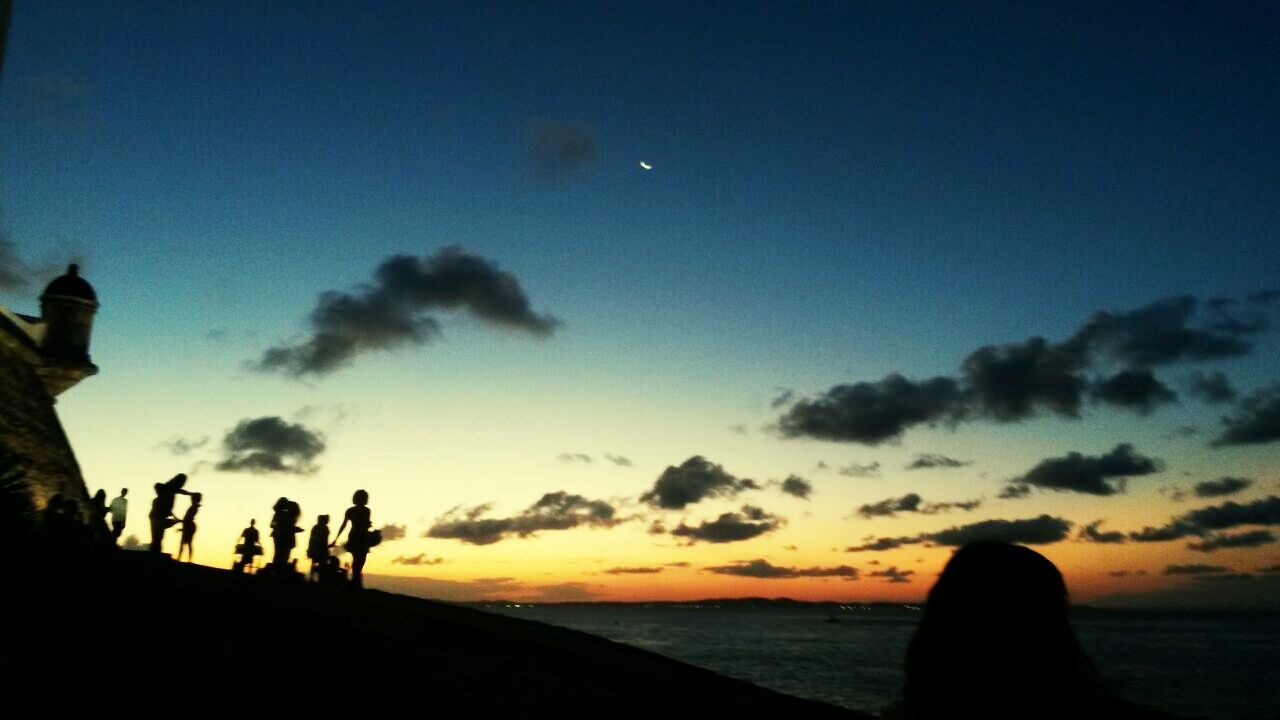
(412, 248)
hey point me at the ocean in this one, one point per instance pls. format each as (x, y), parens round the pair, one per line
(1199, 664)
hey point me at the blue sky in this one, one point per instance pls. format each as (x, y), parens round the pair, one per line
(839, 191)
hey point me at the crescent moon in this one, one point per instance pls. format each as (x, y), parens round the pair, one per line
(645, 165)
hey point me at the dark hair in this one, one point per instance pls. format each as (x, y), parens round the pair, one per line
(995, 641)
(360, 497)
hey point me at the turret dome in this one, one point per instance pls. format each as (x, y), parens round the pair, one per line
(71, 285)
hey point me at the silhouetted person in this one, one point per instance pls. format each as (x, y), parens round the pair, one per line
(161, 515)
(994, 642)
(119, 511)
(189, 527)
(284, 529)
(318, 547)
(249, 547)
(361, 537)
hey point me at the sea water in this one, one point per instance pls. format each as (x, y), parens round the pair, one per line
(1198, 664)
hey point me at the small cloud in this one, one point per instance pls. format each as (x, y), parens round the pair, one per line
(1256, 419)
(1224, 541)
(692, 481)
(1091, 475)
(739, 428)
(784, 397)
(618, 460)
(1211, 388)
(419, 559)
(574, 458)
(926, 461)
(560, 150)
(797, 486)
(893, 575)
(1194, 569)
(746, 524)
(855, 470)
(763, 569)
(270, 445)
(1092, 533)
(633, 570)
(554, 511)
(391, 532)
(183, 446)
(1222, 486)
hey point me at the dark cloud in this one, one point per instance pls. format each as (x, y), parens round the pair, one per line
(1014, 491)
(1256, 419)
(1221, 486)
(1040, 530)
(1252, 538)
(879, 544)
(618, 460)
(1168, 331)
(1126, 573)
(681, 564)
(183, 446)
(889, 508)
(1194, 569)
(391, 532)
(560, 150)
(269, 445)
(750, 522)
(1136, 390)
(1016, 381)
(872, 413)
(554, 511)
(1213, 388)
(389, 313)
(1083, 474)
(913, 503)
(633, 570)
(784, 397)
(574, 458)
(1182, 431)
(419, 559)
(694, 480)
(925, 461)
(797, 486)
(1092, 533)
(761, 568)
(870, 470)
(893, 574)
(1201, 522)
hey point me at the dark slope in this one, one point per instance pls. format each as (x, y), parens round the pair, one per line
(130, 631)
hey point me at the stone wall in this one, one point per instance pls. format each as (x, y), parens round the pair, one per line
(29, 428)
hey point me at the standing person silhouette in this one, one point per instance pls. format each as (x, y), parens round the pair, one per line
(189, 527)
(318, 547)
(361, 538)
(119, 509)
(162, 509)
(284, 530)
(248, 548)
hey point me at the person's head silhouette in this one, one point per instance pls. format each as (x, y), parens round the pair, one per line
(360, 498)
(994, 641)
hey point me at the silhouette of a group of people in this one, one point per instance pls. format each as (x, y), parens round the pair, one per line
(62, 522)
(324, 564)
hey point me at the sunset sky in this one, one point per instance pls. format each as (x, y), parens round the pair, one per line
(411, 248)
